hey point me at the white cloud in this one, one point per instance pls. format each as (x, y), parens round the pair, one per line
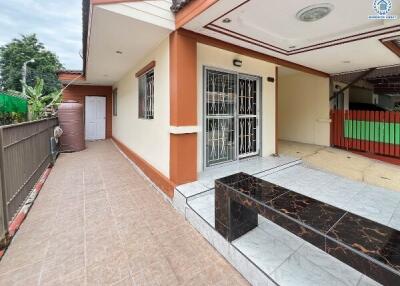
(58, 25)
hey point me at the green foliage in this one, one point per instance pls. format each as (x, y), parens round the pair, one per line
(40, 104)
(11, 118)
(14, 54)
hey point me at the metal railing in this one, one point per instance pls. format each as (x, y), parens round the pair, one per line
(24, 155)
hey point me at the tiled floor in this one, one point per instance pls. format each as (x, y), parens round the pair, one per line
(98, 222)
(255, 166)
(345, 164)
(287, 259)
(375, 203)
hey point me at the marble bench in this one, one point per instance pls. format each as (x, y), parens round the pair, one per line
(367, 246)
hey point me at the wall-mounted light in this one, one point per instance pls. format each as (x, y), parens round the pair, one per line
(237, 63)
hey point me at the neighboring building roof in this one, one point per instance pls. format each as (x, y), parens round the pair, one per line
(69, 76)
(178, 5)
(69, 72)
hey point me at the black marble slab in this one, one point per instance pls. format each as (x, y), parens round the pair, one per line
(367, 246)
(318, 215)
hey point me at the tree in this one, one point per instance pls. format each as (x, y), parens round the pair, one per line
(40, 104)
(14, 54)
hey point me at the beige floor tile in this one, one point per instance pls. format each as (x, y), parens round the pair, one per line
(76, 278)
(110, 270)
(27, 275)
(62, 268)
(98, 222)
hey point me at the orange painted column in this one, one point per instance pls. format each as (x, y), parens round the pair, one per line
(183, 102)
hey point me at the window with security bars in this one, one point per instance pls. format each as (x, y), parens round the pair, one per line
(114, 101)
(146, 95)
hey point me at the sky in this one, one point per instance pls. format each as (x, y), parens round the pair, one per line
(57, 23)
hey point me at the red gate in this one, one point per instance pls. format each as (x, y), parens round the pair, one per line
(375, 132)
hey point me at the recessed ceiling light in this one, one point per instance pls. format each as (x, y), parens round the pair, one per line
(314, 12)
(119, 52)
(346, 62)
(226, 20)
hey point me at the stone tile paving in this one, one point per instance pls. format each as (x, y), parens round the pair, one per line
(97, 221)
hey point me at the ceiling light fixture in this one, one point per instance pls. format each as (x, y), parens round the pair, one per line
(314, 12)
(119, 52)
(346, 62)
(226, 21)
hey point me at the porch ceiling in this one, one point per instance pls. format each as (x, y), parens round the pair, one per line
(121, 34)
(345, 40)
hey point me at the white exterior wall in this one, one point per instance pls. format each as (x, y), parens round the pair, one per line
(218, 58)
(147, 138)
(303, 109)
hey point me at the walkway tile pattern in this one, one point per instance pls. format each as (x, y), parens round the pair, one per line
(97, 221)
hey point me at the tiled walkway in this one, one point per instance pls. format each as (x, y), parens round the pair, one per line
(98, 222)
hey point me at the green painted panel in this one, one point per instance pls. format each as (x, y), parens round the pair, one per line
(397, 132)
(372, 131)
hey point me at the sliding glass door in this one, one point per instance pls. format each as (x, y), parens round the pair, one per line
(231, 104)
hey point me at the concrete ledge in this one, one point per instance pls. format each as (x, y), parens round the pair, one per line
(183, 129)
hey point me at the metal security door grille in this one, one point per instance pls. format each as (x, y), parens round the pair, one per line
(220, 101)
(248, 116)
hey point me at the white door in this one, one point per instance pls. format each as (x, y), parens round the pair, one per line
(95, 117)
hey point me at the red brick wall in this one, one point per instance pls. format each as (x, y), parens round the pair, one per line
(78, 93)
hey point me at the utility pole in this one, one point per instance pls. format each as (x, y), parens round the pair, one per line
(24, 72)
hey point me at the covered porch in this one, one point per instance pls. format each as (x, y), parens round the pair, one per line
(272, 254)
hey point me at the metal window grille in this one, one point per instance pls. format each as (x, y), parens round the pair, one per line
(220, 117)
(114, 101)
(146, 95)
(247, 115)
